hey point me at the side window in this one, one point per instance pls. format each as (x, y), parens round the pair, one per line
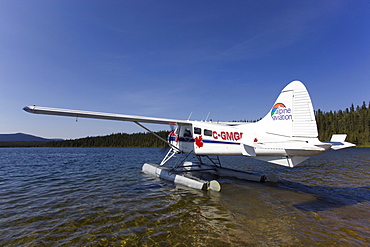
(197, 131)
(207, 132)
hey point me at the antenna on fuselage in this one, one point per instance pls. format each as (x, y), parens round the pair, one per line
(207, 117)
(191, 113)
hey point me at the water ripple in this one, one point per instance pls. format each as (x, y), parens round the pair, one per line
(99, 197)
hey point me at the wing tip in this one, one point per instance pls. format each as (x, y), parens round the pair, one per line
(28, 109)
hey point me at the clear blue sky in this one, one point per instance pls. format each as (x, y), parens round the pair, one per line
(171, 58)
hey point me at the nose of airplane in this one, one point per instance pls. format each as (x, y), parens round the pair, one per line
(172, 137)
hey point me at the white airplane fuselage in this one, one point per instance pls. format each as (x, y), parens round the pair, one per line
(208, 138)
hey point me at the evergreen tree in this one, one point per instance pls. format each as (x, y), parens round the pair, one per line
(355, 122)
(122, 140)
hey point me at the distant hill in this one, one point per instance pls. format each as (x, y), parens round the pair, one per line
(20, 137)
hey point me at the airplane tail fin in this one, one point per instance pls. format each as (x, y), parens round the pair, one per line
(292, 114)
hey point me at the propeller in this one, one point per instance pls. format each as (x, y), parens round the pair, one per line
(173, 130)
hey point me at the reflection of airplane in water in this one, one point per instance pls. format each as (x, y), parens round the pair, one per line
(286, 136)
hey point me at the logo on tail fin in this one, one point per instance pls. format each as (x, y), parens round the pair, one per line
(280, 112)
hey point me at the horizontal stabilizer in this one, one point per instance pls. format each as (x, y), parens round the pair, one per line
(338, 142)
(338, 137)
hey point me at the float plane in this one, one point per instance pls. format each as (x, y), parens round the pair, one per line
(286, 136)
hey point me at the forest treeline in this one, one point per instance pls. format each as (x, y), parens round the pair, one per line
(122, 140)
(353, 121)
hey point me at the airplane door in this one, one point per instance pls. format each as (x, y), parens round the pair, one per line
(186, 140)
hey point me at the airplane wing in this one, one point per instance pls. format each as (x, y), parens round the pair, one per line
(101, 115)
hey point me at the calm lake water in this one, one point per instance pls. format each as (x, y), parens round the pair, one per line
(100, 197)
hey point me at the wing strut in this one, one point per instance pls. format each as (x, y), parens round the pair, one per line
(159, 137)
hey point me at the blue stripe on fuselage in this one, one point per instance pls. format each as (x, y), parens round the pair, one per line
(186, 139)
(220, 142)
